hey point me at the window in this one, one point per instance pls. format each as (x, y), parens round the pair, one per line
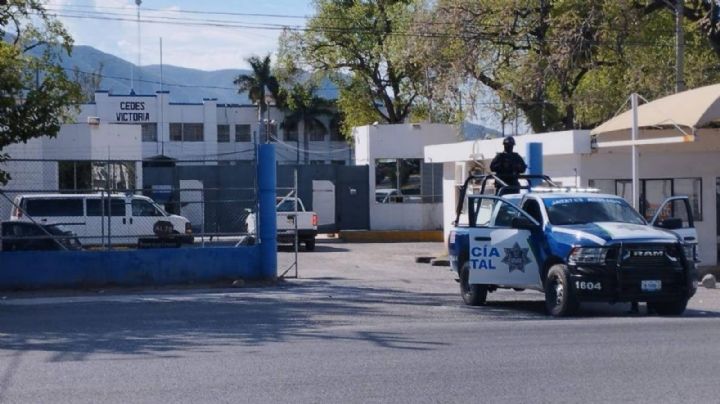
(86, 176)
(54, 207)
(223, 133)
(335, 132)
(404, 177)
(483, 212)
(193, 132)
(505, 215)
(654, 191)
(74, 176)
(242, 133)
(338, 162)
(532, 207)
(288, 205)
(95, 208)
(652, 196)
(692, 188)
(186, 132)
(149, 132)
(144, 208)
(176, 132)
(291, 131)
(315, 130)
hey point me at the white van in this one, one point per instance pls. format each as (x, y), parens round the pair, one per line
(94, 218)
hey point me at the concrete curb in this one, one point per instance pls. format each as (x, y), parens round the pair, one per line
(391, 236)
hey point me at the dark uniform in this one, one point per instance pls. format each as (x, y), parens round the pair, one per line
(508, 164)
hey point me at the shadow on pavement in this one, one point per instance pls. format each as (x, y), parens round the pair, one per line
(521, 307)
(318, 248)
(170, 325)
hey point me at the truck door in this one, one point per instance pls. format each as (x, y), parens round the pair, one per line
(502, 250)
(676, 215)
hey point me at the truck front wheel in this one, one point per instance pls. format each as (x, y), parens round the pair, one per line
(673, 308)
(559, 298)
(473, 295)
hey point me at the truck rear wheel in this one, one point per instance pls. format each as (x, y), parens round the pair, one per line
(310, 244)
(473, 295)
(673, 308)
(559, 298)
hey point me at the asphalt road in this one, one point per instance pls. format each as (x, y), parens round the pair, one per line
(363, 324)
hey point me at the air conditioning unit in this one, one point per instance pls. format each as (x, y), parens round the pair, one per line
(93, 120)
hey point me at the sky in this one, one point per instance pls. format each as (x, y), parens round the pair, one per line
(194, 39)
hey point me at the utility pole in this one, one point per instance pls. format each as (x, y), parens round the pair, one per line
(679, 46)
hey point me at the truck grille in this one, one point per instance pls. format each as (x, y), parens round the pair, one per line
(649, 255)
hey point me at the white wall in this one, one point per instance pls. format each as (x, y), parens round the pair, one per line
(395, 142)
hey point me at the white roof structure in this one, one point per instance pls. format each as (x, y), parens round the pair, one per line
(690, 109)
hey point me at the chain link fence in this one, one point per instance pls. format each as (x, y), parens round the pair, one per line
(154, 203)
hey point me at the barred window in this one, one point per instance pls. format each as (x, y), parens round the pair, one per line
(316, 130)
(291, 131)
(186, 132)
(149, 132)
(242, 133)
(223, 133)
(193, 132)
(176, 132)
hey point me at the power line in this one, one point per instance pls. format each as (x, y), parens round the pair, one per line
(321, 29)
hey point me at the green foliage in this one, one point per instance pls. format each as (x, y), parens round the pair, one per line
(361, 45)
(36, 96)
(260, 84)
(566, 63)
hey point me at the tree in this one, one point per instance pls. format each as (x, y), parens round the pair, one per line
(260, 84)
(564, 64)
(303, 108)
(363, 47)
(36, 96)
(89, 82)
(704, 13)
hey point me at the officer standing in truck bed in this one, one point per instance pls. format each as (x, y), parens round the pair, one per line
(508, 164)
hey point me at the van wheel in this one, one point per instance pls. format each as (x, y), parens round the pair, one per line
(559, 298)
(310, 244)
(473, 295)
(672, 308)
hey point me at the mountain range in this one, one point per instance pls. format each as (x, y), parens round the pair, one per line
(189, 85)
(184, 84)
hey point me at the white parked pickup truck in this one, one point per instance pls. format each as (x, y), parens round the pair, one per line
(288, 219)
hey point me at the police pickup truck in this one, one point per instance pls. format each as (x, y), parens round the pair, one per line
(575, 245)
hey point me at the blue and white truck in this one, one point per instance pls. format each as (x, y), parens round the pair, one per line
(574, 245)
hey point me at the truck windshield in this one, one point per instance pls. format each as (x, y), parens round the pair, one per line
(566, 211)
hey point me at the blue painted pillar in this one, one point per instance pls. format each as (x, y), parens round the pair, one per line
(534, 161)
(267, 231)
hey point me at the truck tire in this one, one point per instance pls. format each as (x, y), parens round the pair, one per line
(672, 308)
(473, 295)
(559, 298)
(310, 244)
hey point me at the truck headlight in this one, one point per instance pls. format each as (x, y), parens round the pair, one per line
(689, 250)
(587, 255)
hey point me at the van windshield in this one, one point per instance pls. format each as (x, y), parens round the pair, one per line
(568, 211)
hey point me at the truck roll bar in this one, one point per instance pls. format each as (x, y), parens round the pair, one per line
(503, 189)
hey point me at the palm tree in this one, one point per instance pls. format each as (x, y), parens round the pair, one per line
(258, 83)
(303, 109)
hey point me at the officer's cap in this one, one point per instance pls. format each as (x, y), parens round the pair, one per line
(509, 141)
